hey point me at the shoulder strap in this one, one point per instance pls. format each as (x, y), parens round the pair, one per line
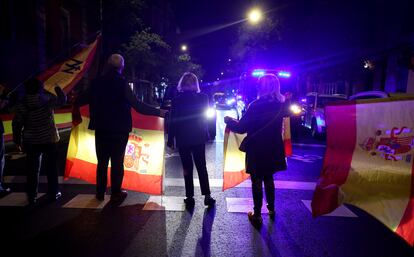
(268, 124)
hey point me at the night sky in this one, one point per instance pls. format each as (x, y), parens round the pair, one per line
(310, 30)
(211, 49)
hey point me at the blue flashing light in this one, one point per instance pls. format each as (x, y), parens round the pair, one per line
(284, 74)
(320, 121)
(258, 73)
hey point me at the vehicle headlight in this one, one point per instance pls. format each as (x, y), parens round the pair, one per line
(231, 101)
(210, 113)
(295, 109)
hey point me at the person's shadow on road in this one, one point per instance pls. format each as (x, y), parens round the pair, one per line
(204, 242)
(178, 240)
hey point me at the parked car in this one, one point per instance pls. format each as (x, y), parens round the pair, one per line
(224, 101)
(369, 95)
(313, 116)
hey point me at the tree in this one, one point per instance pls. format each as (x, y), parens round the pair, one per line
(253, 42)
(121, 19)
(145, 53)
(180, 64)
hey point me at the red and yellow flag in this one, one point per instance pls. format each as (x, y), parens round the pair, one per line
(234, 160)
(369, 162)
(65, 75)
(144, 153)
(68, 73)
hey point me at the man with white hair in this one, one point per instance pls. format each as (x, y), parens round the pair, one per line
(110, 99)
(117, 62)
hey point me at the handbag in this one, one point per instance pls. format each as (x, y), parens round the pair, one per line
(243, 145)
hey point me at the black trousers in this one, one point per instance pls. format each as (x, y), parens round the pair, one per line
(187, 154)
(257, 190)
(37, 154)
(110, 146)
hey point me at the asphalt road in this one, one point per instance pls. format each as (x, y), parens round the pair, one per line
(134, 228)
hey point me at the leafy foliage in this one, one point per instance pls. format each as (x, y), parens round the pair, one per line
(147, 55)
(183, 63)
(254, 41)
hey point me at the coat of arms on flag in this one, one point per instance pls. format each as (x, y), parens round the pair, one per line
(144, 153)
(369, 162)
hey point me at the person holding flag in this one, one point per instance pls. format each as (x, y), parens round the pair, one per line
(110, 100)
(35, 132)
(264, 147)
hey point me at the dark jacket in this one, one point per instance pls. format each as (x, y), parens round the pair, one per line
(188, 124)
(34, 118)
(265, 153)
(3, 104)
(110, 100)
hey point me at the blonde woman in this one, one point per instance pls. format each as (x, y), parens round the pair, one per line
(188, 131)
(263, 144)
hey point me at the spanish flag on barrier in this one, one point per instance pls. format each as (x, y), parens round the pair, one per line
(144, 153)
(234, 160)
(369, 162)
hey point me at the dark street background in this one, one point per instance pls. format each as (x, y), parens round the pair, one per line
(134, 229)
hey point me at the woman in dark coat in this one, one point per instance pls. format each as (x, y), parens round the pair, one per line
(263, 144)
(188, 127)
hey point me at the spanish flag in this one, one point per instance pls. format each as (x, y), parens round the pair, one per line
(144, 153)
(65, 75)
(68, 73)
(234, 160)
(369, 162)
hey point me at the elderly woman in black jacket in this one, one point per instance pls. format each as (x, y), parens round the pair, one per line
(263, 144)
(188, 127)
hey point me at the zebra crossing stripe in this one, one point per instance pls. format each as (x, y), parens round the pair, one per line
(86, 201)
(158, 203)
(178, 182)
(164, 203)
(18, 199)
(341, 211)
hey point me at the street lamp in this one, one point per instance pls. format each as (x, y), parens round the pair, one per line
(255, 15)
(184, 48)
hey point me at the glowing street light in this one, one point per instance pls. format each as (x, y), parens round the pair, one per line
(255, 16)
(184, 48)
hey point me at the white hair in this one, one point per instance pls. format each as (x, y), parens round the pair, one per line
(188, 82)
(269, 85)
(116, 61)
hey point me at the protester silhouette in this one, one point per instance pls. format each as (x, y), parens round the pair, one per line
(263, 144)
(188, 131)
(35, 133)
(110, 99)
